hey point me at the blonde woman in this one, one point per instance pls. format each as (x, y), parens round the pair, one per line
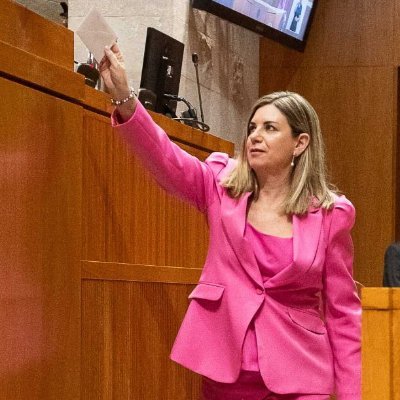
(275, 314)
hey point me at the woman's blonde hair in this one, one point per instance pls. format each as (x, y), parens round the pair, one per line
(308, 183)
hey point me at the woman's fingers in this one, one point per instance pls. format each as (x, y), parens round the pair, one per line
(104, 64)
(113, 70)
(115, 48)
(111, 56)
(103, 60)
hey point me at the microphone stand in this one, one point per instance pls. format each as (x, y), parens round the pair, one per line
(195, 59)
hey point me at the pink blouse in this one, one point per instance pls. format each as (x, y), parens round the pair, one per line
(273, 254)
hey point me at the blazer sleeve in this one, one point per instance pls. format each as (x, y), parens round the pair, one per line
(175, 170)
(342, 304)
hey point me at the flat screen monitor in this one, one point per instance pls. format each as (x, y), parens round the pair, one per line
(161, 72)
(287, 21)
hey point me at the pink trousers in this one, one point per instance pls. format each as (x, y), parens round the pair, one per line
(249, 386)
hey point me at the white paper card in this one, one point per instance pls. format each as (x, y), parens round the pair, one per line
(96, 33)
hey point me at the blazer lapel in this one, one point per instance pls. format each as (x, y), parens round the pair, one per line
(234, 213)
(306, 236)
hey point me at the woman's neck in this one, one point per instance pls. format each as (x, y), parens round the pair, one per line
(273, 186)
(273, 189)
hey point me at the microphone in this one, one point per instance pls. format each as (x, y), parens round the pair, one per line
(195, 59)
(90, 71)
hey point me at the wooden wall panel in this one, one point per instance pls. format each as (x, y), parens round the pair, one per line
(128, 331)
(40, 192)
(396, 33)
(347, 73)
(351, 32)
(344, 33)
(127, 217)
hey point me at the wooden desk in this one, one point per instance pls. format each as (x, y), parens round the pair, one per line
(381, 343)
(96, 261)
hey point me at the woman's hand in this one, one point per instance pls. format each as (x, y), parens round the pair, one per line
(112, 70)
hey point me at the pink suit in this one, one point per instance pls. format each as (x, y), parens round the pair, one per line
(308, 329)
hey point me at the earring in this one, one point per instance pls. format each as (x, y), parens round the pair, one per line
(292, 163)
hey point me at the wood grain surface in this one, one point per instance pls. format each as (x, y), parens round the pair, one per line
(40, 245)
(380, 344)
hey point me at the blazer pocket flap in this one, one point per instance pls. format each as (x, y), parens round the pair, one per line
(207, 291)
(307, 320)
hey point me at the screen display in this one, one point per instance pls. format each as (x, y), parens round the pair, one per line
(288, 16)
(283, 20)
(161, 72)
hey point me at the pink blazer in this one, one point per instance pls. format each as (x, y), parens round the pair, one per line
(309, 314)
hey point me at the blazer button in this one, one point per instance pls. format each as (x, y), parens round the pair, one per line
(260, 291)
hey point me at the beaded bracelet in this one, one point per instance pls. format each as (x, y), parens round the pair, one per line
(132, 93)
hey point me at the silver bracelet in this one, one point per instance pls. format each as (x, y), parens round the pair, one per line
(132, 94)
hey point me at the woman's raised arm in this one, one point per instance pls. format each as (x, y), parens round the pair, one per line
(174, 169)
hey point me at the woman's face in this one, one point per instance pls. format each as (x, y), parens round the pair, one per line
(270, 145)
